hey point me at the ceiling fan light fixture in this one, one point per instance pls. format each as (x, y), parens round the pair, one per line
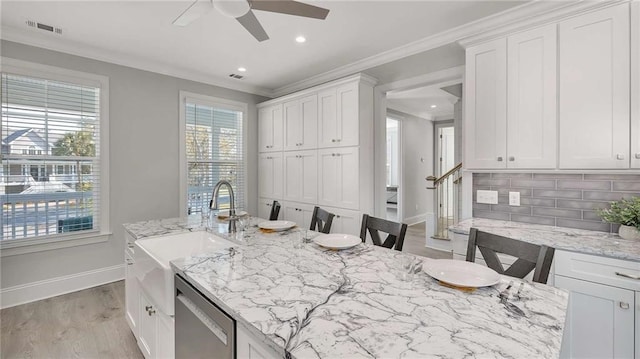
(232, 8)
(242, 69)
(433, 106)
(300, 39)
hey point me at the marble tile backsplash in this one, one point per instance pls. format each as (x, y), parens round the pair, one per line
(564, 200)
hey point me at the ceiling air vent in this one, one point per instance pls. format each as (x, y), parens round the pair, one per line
(236, 76)
(44, 27)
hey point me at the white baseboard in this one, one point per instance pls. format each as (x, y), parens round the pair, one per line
(415, 219)
(30, 292)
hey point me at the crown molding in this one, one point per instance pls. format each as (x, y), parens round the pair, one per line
(95, 53)
(545, 16)
(515, 14)
(398, 108)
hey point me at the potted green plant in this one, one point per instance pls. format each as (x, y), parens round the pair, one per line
(626, 212)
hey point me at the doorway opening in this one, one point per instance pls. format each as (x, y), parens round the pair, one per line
(394, 169)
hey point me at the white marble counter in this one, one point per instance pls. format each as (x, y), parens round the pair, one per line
(568, 239)
(316, 303)
(159, 227)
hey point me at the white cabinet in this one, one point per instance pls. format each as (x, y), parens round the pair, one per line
(301, 213)
(270, 128)
(338, 175)
(301, 123)
(301, 176)
(345, 221)
(264, 207)
(247, 347)
(531, 99)
(510, 97)
(131, 293)
(594, 89)
(635, 89)
(338, 116)
(156, 330)
(486, 107)
(270, 169)
(600, 317)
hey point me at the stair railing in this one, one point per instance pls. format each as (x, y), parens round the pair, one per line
(448, 193)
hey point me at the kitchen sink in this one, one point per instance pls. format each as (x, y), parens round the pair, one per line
(152, 261)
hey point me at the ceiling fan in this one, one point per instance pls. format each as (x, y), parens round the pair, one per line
(242, 10)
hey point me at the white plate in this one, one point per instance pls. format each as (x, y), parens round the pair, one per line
(461, 273)
(337, 241)
(277, 225)
(225, 214)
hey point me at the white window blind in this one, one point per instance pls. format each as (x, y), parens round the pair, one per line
(50, 157)
(215, 151)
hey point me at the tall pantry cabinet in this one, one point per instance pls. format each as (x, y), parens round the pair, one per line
(316, 149)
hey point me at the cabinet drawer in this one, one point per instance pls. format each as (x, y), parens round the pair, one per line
(609, 271)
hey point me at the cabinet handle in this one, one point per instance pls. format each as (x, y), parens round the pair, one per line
(333, 155)
(333, 140)
(148, 307)
(337, 154)
(499, 159)
(624, 305)
(511, 158)
(129, 262)
(628, 276)
(619, 157)
(337, 140)
(151, 312)
(637, 156)
(337, 216)
(130, 245)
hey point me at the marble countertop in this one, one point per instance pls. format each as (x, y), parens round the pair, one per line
(568, 239)
(311, 302)
(160, 227)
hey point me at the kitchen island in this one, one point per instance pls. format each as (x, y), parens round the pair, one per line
(313, 302)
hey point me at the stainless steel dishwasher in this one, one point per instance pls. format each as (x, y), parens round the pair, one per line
(202, 329)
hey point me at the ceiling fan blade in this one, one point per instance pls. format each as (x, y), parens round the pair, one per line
(193, 12)
(290, 7)
(251, 23)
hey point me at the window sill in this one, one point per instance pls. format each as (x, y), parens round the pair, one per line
(23, 246)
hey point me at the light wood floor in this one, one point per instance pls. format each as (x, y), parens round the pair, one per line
(85, 324)
(414, 242)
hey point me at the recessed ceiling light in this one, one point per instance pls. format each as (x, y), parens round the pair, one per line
(300, 39)
(432, 106)
(242, 69)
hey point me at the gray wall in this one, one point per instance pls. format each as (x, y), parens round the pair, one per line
(417, 144)
(564, 200)
(144, 150)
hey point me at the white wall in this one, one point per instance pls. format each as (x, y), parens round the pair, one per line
(144, 162)
(417, 163)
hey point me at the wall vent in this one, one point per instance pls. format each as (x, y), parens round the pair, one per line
(236, 76)
(44, 27)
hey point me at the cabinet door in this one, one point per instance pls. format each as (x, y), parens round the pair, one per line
(270, 170)
(250, 348)
(327, 118)
(147, 327)
(339, 177)
(347, 110)
(270, 132)
(531, 99)
(166, 336)
(292, 125)
(600, 320)
(131, 295)
(486, 105)
(309, 122)
(594, 89)
(301, 176)
(635, 93)
(298, 212)
(345, 221)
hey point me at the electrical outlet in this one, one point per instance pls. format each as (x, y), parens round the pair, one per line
(514, 198)
(488, 197)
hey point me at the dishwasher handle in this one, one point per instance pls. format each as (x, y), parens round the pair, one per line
(204, 318)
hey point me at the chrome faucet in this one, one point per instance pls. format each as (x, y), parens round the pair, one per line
(232, 206)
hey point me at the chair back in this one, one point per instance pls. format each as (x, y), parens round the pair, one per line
(275, 211)
(396, 232)
(531, 257)
(322, 220)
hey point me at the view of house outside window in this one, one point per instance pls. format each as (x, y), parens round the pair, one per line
(214, 148)
(50, 146)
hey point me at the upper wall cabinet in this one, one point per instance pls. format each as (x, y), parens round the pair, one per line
(635, 91)
(486, 108)
(270, 128)
(301, 123)
(338, 116)
(594, 89)
(531, 98)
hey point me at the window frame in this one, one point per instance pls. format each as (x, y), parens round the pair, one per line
(56, 241)
(182, 123)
